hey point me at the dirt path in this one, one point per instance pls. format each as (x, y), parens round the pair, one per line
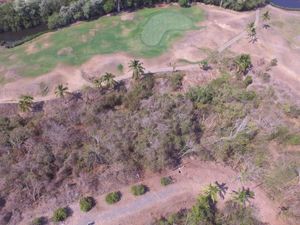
(194, 176)
(80, 80)
(240, 36)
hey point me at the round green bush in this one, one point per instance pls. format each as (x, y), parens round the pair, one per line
(86, 204)
(139, 189)
(113, 197)
(164, 181)
(37, 221)
(60, 214)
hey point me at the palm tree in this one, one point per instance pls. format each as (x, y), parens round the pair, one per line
(204, 65)
(98, 82)
(108, 80)
(243, 63)
(25, 102)
(61, 90)
(212, 191)
(266, 18)
(137, 69)
(251, 32)
(251, 26)
(242, 196)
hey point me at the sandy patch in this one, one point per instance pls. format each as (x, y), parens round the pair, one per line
(92, 32)
(42, 40)
(127, 16)
(297, 41)
(72, 77)
(65, 51)
(31, 48)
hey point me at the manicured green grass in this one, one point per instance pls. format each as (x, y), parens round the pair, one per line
(149, 34)
(158, 25)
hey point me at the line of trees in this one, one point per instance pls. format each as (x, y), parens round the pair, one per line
(22, 14)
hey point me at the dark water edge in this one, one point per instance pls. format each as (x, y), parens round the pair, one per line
(287, 4)
(11, 39)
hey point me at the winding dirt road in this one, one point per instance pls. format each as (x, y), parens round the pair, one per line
(194, 176)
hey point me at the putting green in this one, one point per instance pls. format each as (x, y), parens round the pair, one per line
(159, 24)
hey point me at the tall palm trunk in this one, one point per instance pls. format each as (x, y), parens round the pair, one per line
(118, 5)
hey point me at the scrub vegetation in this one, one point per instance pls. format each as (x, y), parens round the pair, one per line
(134, 125)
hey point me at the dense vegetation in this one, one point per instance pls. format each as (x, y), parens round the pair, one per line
(21, 14)
(237, 209)
(141, 124)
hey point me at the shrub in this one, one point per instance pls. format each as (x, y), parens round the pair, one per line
(183, 3)
(37, 221)
(204, 64)
(113, 197)
(248, 80)
(266, 77)
(291, 110)
(243, 63)
(109, 6)
(176, 81)
(120, 67)
(293, 139)
(139, 189)
(246, 96)
(274, 62)
(164, 181)
(202, 95)
(108, 102)
(141, 90)
(54, 21)
(237, 214)
(60, 214)
(86, 204)
(280, 133)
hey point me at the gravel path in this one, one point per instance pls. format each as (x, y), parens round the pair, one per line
(194, 176)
